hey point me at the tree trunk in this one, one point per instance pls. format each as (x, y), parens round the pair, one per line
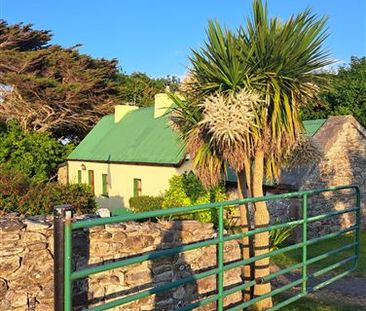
(248, 175)
(247, 272)
(261, 219)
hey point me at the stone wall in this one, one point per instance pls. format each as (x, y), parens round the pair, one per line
(343, 141)
(343, 164)
(26, 264)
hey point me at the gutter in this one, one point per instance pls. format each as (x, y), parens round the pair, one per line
(131, 162)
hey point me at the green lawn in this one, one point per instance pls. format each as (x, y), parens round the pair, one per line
(307, 304)
(293, 257)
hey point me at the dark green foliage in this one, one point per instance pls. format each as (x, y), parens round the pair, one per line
(145, 203)
(193, 187)
(19, 194)
(140, 89)
(54, 89)
(36, 155)
(345, 94)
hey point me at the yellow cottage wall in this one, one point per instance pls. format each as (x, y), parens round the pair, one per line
(154, 179)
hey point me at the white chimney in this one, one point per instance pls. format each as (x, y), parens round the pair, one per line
(162, 103)
(121, 110)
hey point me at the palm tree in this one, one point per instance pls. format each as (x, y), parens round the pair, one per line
(243, 107)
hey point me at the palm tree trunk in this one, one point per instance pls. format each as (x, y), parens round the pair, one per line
(248, 174)
(261, 219)
(247, 272)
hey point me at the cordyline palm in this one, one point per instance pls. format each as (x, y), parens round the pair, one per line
(267, 66)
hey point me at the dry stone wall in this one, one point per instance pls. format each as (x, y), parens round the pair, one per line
(26, 264)
(343, 164)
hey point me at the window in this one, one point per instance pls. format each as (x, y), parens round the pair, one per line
(137, 189)
(105, 185)
(79, 178)
(91, 180)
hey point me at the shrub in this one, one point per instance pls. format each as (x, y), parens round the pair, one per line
(146, 203)
(278, 237)
(176, 194)
(13, 186)
(35, 154)
(186, 189)
(41, 199)
(18, 194)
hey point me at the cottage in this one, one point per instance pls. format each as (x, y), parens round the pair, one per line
(130, 153)
(135, 152)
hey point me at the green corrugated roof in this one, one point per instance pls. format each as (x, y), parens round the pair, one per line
(311, 127)
(138, 137)
(141, 138)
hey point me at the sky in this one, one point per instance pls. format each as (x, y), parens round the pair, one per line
(156, 37)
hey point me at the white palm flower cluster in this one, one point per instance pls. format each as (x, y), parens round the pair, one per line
(229, 118)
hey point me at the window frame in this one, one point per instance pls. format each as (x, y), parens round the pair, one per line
(137, 187)
(91, 180)
(105, 185)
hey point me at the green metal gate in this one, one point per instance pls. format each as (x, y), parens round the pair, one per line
(65, 276)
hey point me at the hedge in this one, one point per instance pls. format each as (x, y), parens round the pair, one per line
(19, 194)
(146, 203)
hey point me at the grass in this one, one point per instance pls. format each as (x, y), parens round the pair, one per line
(307, 304)
(294, 257)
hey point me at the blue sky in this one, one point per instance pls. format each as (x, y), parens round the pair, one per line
(156, 36)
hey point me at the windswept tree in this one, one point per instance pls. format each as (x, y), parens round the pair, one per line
(242, 109)
(47, 87)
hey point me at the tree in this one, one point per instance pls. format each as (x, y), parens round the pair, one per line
(345, 93)
(35, 155)
(139, 89)
(51, 88)
(247, 88)
(21, 37)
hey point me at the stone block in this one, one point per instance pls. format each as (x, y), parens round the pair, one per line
(32, 237)
(7, 225)
(37, 223)
(9, 265)
(3, 288)
(138, 277)
(11, 250)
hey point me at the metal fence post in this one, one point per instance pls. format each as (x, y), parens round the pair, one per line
(59, 215)
(304, 242)
(220, 259)
(358, 224)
